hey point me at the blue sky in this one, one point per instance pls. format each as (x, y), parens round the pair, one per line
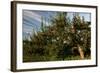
(32, 20)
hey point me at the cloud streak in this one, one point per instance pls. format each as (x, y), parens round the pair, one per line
(32, 15)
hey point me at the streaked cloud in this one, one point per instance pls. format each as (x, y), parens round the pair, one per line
(32, 15)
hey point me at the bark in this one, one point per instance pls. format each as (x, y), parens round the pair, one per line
(81, 52)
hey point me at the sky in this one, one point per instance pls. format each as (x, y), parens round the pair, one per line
(32, 20)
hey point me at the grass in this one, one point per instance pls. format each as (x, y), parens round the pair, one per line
(41, 59)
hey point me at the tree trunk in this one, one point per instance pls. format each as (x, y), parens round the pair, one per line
(81, 52)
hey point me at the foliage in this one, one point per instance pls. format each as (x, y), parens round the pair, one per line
(59, 41)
